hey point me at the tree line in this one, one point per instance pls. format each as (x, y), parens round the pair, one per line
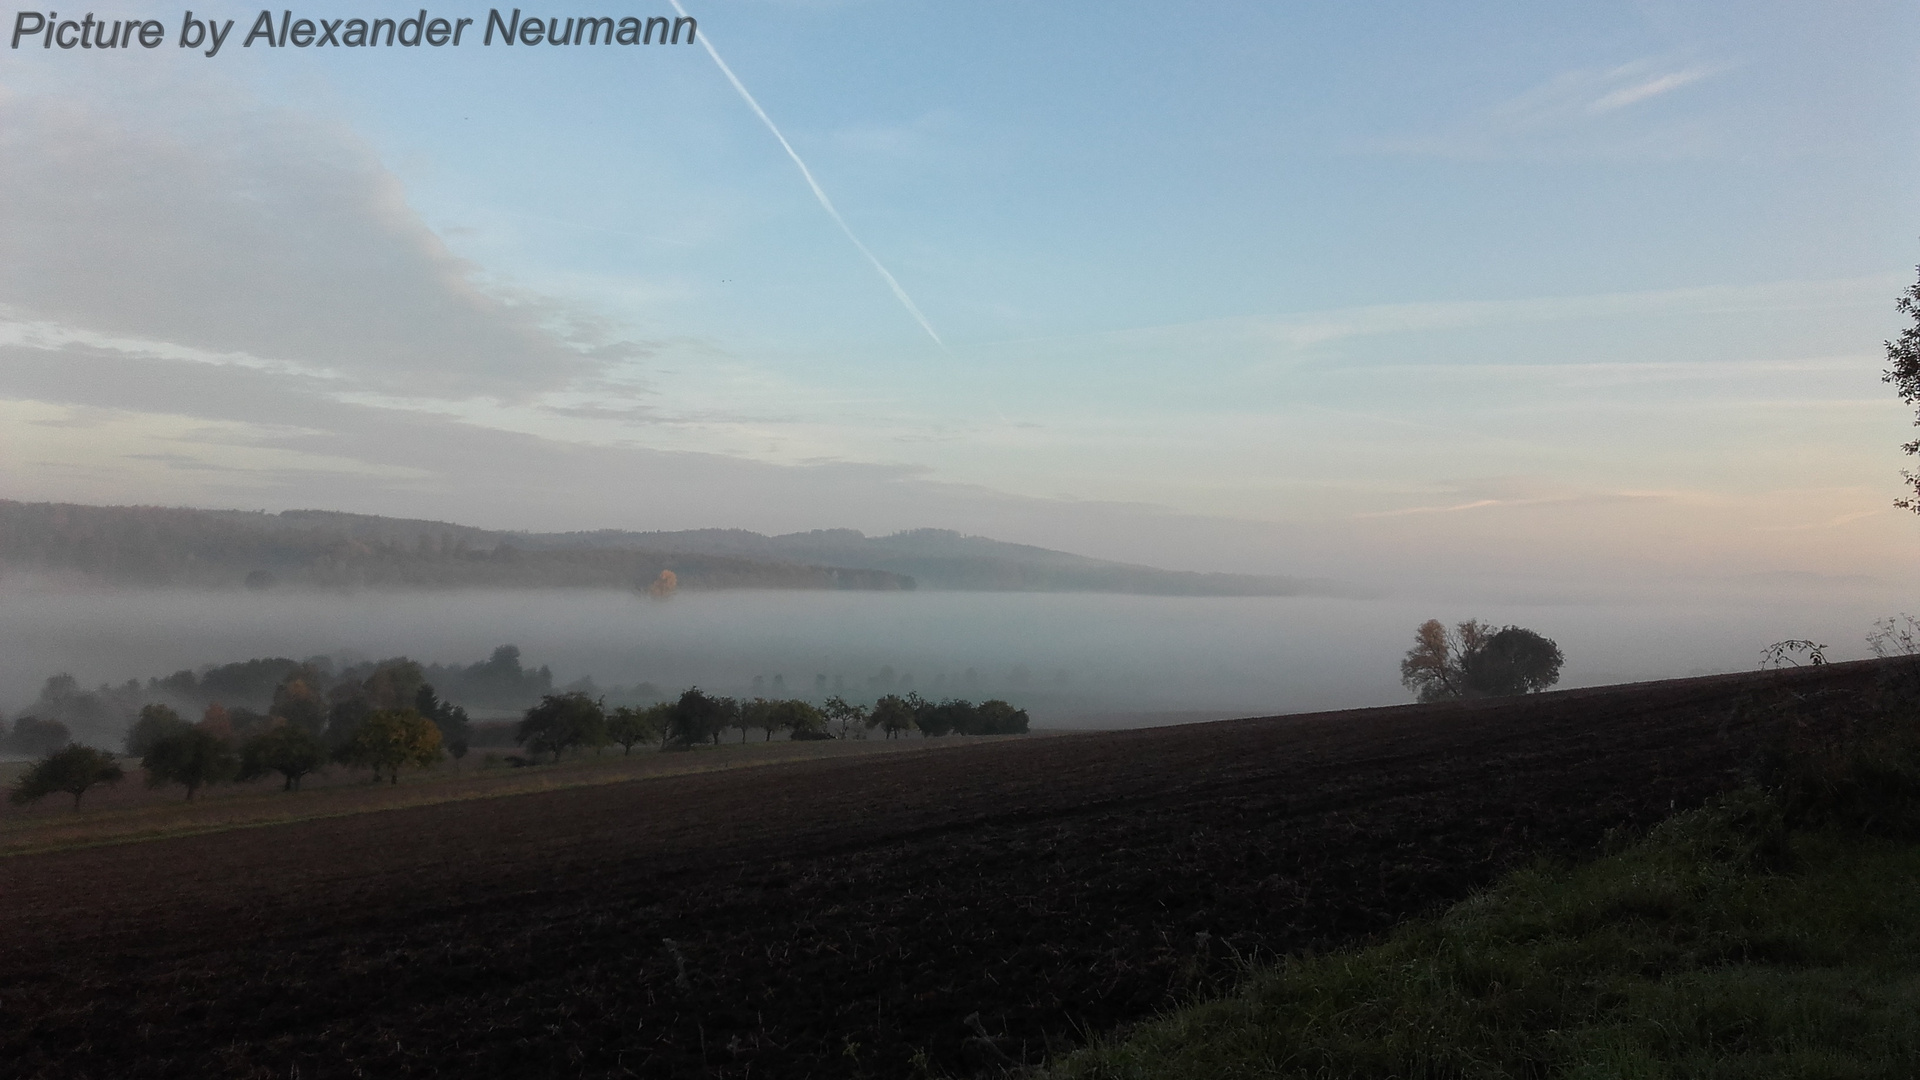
(574, 720)
(391, 718)
(387, 719)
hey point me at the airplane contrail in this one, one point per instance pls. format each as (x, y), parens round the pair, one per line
(825, 203)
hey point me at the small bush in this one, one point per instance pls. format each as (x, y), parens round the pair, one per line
(1858, 771)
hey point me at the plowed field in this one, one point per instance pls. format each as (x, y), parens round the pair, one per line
(858, 917)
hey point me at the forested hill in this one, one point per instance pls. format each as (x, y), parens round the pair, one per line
(143, 545)
(943, 559)
(316, 548)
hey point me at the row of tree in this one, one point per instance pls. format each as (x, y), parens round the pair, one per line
(365, 730)
(309, 691)
(574, 720)
(251, 690)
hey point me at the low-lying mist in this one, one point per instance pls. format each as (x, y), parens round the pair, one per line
(1073, 660)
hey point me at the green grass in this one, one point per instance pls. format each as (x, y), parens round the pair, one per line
(1722, 945)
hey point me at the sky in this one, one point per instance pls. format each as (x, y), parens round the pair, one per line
(1476, 300)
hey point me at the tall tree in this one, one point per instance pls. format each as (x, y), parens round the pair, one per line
(1903, 371)
(455, 729)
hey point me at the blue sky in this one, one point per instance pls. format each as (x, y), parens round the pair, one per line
(1585, 296)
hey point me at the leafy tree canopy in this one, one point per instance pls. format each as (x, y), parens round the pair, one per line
(561, 722)
(156, 722)
(1903, 371)
(1514, 660)
(1477, 660)
(455, 729)
(193, 758)
(33, 736)
(390, 738)
(892, 714)
(699, 716)
(629, 725)
(290, 750)
(73, 770)
(845, 717)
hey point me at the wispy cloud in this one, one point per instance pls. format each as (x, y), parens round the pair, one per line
(1583, 112)
(1306, 329)
(1647, 88)
(1454, 509)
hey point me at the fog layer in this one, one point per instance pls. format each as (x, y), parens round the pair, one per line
(1073, 660)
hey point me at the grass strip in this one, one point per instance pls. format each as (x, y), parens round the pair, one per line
(265, 809)
(1723, 945)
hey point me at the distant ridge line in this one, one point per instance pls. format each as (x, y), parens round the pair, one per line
(182, 546)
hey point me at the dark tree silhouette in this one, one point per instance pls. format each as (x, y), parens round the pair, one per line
(1476, 660)
(297, 700)
(628, 725)
(846, 717)
(290, 750)
(801, 720)
(1513, 661)
(1435, 668)
(561, 722)
(194, 758)
(699, 717)
(996, 717)
(891, 714)
(390, 738)
(156, 722)
(1903, 371)
(34, 736)
(455, 729)
(73, 770)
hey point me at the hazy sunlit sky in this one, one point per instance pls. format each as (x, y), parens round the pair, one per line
(1562, 299)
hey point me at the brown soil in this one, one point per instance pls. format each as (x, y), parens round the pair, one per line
(831, 918)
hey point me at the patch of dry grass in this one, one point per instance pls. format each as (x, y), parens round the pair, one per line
(130, 812)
